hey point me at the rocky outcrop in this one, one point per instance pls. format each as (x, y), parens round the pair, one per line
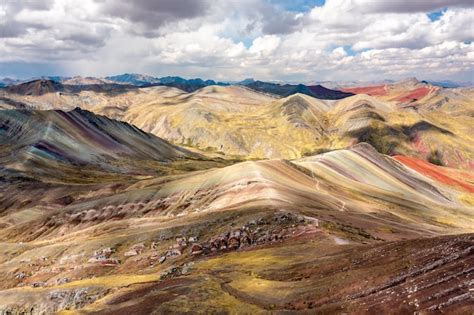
(135, 250)
(57, 300)
(256, 232)
(102, 256)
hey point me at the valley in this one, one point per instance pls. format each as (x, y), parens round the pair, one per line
(224, 199)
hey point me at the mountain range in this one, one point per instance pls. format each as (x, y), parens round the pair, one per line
(132, 195)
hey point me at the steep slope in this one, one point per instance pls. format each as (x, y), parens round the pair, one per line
(319, 91)
(38, 142)
(237, 121)
(422, 96)
(258, 236)
(433, 136)
(36, 88)
(359, 187)
(285, 90)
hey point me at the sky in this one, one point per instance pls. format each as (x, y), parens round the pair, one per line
(294, 40)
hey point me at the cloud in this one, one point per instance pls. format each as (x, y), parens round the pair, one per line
(275, 20)
(231, 40)
(147, 17)
(264, 46)
(403, 6)
(10, 27)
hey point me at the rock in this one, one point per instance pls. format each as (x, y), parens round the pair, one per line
(140, 247)
(245, 241)
(109, 262)
(173, 253)
(186, 268)
(181, 242)
(103, 253)
(135, 250)
(162, 259)
(38, 284)
(73, 298)
(196, 249)
(176, 271)
(20, 275)
(62, 280)
(130, 253)
(154, 245)
(193, 239)
(233, 243)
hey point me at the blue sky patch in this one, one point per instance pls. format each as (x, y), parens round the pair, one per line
(298, 5)
(436, 15)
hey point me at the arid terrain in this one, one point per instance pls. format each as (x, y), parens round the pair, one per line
(125, 199)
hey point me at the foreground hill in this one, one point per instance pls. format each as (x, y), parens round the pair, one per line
(259, 236)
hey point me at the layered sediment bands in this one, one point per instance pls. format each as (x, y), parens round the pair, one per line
(320, 233)
(97, 216)
(41, 143)
(348, 183)
(450, 177)
(234, 121)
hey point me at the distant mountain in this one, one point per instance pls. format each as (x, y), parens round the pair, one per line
(187, 85)
(78, 80)
(321, 92)
(339, 85)
(285, 90)
(246, 81)
(134, 79)
(41, 87)
(7, 82)
(447, 84)
(56, 78)
(36, 87)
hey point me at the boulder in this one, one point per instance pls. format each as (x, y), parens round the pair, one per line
(196, 249)
(20, 275)
(130, 253)
(193, 239)
(135, 250)
(173, 253)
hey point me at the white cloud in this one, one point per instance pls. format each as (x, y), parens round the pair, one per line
(265, 45)
(389, 40)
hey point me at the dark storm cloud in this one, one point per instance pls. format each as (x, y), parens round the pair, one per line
(92, 38)
(153, 14)
(271, 19)
(86, 39)
(15, 6)
(280, 22)
(12, 29)
(9, 27)
(403, 6)
(38, 5)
